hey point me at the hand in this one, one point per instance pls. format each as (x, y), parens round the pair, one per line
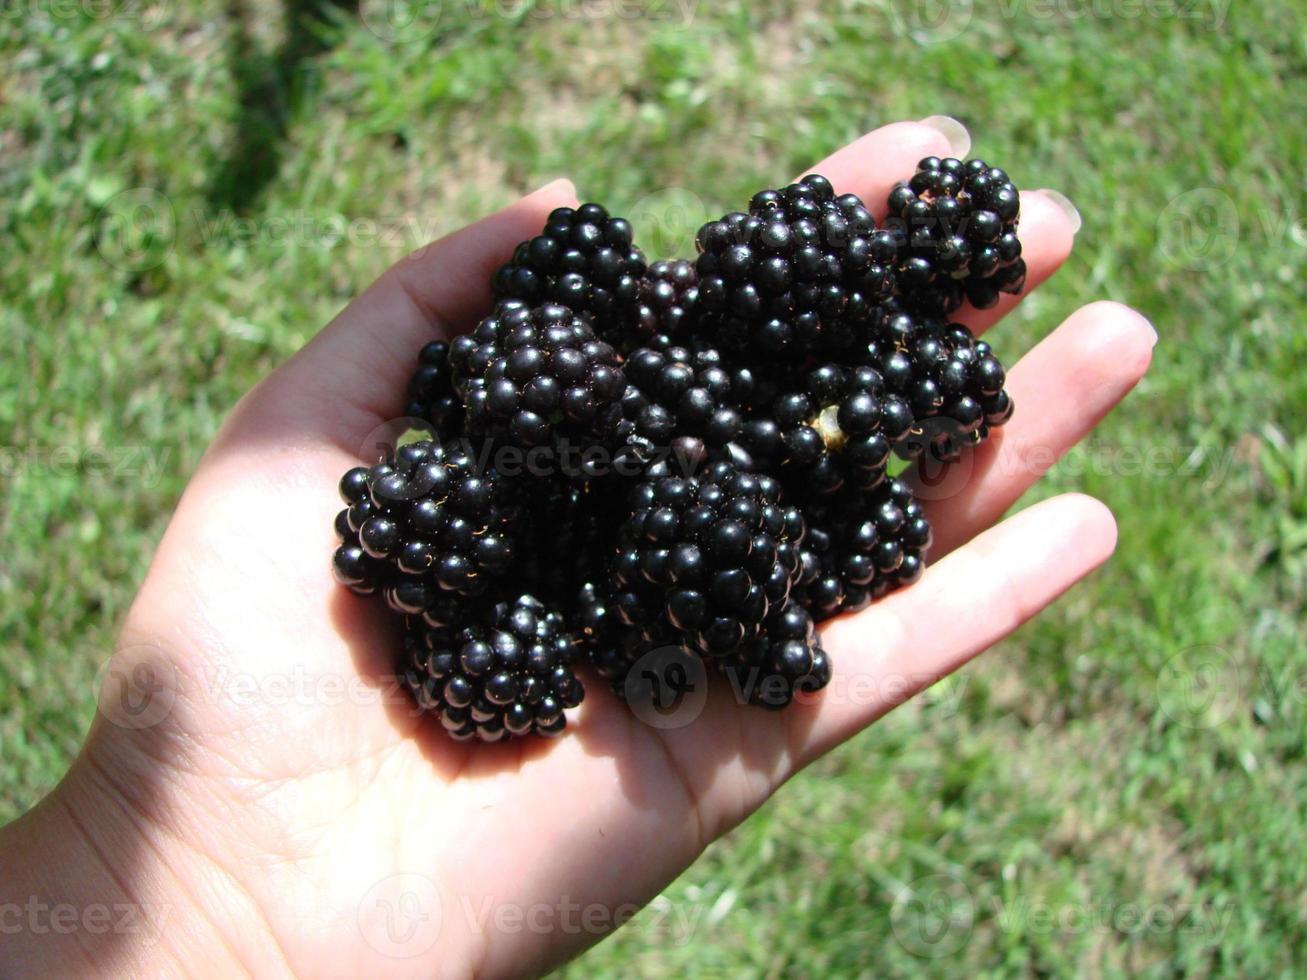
(278, 807)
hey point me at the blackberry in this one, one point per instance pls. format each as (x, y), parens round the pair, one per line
(710, 555)
(669, 297)
(680, 391)
(583, 259)
(957, 225)
(612, 648)
(506, 672)
(834, 431)
(951, 382)
(861, 547)
(785, 660)
(431, 392)
(801, 272)
(538, 376)
(423, 523)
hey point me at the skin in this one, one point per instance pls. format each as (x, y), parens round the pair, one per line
(253, 817)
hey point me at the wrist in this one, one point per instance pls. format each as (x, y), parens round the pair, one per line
(89, 888)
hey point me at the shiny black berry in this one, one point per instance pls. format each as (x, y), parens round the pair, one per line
(506, 670)
(538, 376)
(426, 522)
(431, 395)
(956, 225)
(709, 554)
(801, 272)
(860, 547)
(585, 259)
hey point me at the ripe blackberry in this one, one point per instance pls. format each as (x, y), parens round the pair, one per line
(669, 297)
(431, 392)
(834, 431)
(860, 547)
(538, 376)
(710, 554)
(507, 672)
(785, 660)
(951, 382)
(957, 224)
(423, 523)
(800, 273)
(611, 645)
(583, 259)
(680, 391)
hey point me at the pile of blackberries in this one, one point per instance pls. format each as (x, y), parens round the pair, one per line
(626, 457)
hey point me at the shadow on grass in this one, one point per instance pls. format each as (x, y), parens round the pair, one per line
(266, 87)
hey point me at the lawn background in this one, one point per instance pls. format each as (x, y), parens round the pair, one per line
(187, 193)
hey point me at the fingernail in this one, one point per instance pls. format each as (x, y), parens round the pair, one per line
(558, 183)
(959, 140)
(1064, 202)
(1149, 324)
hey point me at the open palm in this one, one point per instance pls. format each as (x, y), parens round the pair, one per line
(281, 791)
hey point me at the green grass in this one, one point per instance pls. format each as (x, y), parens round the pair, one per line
(1064, 799)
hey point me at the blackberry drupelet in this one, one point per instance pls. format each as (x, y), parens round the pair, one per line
(538, 376)
(669, 298)
(583, 259)
(506, 672)
(680, 391)
(951, 383)
(957, 225)
(711, 554)
(424, 523)
(860, 547)
(785, 660)
(801, 272)
(431, 395)
(602, 623)
(833, 431)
